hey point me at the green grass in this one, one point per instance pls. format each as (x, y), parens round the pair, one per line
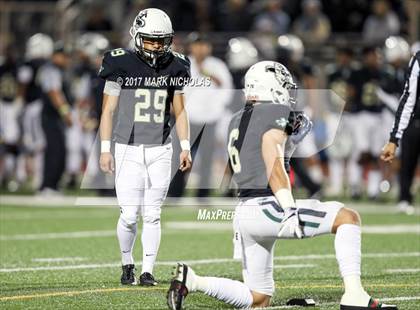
(99, 288)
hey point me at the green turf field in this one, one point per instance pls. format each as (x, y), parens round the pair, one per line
(68, 257)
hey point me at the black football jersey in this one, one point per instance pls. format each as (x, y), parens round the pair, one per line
(365, 83)
(146, 94)
(337, 81)
(245, 133)
(8, 82)
(33, 90)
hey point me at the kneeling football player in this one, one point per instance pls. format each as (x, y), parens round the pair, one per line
(261, 139)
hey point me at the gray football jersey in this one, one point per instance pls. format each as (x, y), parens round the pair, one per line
(245, 144)
(147, 93)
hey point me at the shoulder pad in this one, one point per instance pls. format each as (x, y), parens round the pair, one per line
(182, 58)
(112, 63)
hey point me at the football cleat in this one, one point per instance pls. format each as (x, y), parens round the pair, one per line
(128, 277)
(179, 288)
(147, 279)
(373, 304)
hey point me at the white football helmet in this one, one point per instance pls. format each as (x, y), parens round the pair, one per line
(293, 45)
(241, 53)
(270, 81)
(39, 46)
(92, 44)
(396, 48)
(415, 47)
(154, 24)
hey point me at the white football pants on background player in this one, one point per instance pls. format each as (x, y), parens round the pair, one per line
(34, 139)
(142, 178)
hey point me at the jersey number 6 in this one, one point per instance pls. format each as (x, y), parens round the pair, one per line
(145, 97)
(233, 151)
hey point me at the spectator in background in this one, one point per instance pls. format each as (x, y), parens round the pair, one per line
(273, 19)
(97, 21)
(312, 26)
(56, 115)
(234, 16)
(10, 109)
(381, 24)
(205, 107)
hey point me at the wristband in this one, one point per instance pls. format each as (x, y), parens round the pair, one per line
(185, 145)
(64, 109)
(285, 198)
(105, 146)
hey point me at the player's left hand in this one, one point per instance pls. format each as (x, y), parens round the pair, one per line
(185, 160)
(290, 225)
(388, 152)
(302, 127)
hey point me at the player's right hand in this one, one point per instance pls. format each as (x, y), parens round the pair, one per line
(290, 225)
(106, 162)
(68, 119)
(388, 152)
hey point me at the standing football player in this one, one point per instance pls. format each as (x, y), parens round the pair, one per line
(261, 138)
(139, 83)
(366, 108)
(38, 49)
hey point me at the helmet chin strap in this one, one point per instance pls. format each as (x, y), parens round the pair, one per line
(150, 55)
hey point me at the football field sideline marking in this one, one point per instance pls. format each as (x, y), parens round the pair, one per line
(403, 270)
(205, 261)
(190, 225)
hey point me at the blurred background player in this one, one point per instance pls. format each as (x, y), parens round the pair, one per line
(86, 112)
(406, 129)
(337, 76)
(206, 106)
(39, 49)
(290, 51)
(367, 122)
(56, 116)
(10, 132)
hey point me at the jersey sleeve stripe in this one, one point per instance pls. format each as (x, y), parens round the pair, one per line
(407, 101)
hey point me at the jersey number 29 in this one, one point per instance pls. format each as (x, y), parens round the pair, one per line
(147, 98)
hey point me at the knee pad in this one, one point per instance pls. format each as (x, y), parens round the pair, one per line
(129, 217)
(151, 215)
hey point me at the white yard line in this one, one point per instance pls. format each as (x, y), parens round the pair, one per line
(63, 235)
(187, 202)
(207, 261)
(402, 270)
(292, 266)
(192, 225)
(58, 259)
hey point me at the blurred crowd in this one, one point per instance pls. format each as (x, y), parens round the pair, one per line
(339, 158)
